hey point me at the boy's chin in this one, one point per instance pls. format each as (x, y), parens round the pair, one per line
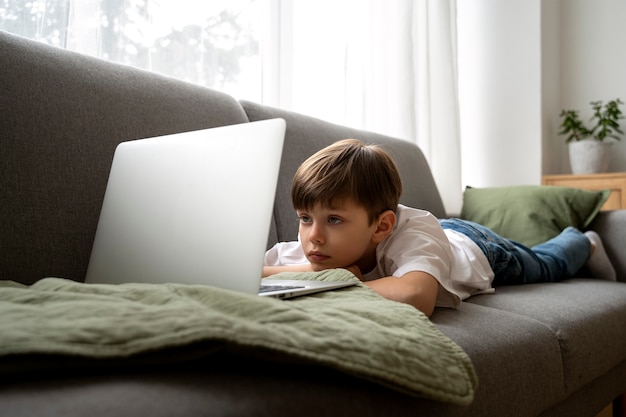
(319, 268)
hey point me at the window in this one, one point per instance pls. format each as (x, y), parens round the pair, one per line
(340, 61)
(212, 43)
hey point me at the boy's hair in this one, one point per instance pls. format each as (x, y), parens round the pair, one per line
(348, 169)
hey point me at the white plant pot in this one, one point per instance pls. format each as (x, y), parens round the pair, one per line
(589, 156)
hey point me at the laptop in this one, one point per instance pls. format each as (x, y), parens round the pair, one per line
(194, 208)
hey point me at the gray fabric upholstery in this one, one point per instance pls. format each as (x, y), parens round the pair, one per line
(506, 350)
(582, 313)
(208, 391)
(547, 349)
(589, 400)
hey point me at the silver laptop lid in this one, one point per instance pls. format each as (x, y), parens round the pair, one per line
(191, 208)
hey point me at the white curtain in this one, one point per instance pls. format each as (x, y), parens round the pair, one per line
(350, 62)
(380, 65)
(389, 67)
(437, 100)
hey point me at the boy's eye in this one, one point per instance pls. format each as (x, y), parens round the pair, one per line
(334, 220)
(304, 219)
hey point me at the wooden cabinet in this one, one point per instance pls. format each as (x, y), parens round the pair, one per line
(615, 181)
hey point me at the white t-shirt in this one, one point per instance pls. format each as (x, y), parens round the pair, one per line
(418, 243)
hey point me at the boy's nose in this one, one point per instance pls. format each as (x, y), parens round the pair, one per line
(316, 235)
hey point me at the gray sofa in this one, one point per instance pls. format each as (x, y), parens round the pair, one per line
(539, 350)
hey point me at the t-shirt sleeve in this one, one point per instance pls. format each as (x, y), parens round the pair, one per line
(421, 245)
(285, 253)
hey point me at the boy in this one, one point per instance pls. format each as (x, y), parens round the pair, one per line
(346, 197)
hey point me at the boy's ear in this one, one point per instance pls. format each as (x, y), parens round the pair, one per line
(384, 225)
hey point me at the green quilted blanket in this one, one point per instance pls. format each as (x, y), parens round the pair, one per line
(353, 329)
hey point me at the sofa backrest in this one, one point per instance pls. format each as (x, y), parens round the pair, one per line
(62, 115)
(305, 135)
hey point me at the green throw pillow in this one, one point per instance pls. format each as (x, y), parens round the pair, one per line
(531, 214)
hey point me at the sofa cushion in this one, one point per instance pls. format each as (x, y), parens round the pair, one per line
(531, 214)
(517, 359)
(306, 135)
(587, 316)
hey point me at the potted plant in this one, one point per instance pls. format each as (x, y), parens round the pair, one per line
(589, 149)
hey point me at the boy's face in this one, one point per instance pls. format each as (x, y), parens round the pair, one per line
(337, 237)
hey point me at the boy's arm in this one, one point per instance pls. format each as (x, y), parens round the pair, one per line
(272, 270)
(416, 288)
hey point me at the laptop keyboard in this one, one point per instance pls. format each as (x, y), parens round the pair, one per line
(268, 288)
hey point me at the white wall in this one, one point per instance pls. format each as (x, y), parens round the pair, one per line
(553, 147)
(593, 63)
(520, 63)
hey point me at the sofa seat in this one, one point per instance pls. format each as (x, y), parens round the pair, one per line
(585, 315)
(506, 348)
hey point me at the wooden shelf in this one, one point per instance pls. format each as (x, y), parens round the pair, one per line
(614, 181)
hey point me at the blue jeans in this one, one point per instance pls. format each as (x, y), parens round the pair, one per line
(513, 263)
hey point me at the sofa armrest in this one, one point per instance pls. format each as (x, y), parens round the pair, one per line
(611, 226)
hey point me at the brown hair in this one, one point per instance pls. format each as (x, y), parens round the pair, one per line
(348, 169)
